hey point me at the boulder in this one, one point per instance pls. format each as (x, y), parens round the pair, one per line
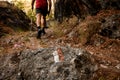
(39, 65)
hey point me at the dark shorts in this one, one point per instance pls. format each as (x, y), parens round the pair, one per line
(42, 11)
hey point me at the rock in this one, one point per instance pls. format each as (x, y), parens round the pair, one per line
(9, 22)
(39, 65)
(85, 65)
(110, 27)
(80, 8)
(118, 66)
(107, 4)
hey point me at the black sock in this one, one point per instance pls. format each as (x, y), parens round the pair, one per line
(38, 27)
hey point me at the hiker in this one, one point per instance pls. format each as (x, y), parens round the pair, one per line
(43, 7)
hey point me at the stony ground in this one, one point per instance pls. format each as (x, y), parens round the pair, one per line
(105, 50)
(106, 55)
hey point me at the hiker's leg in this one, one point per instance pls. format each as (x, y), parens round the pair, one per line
(38, 23)
(43, 24)
(38, 19)
(43, 21)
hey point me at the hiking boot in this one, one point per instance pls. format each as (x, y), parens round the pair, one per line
(39, 33)
(43, 31)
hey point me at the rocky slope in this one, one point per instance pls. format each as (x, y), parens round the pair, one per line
(81, 8)
(12, 19)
